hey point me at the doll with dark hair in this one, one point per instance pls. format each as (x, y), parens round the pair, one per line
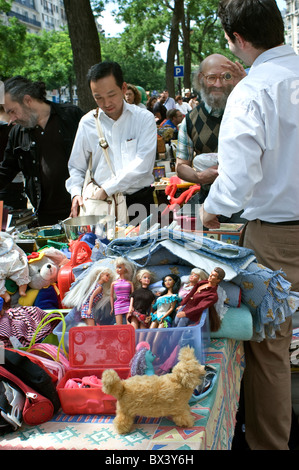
(166, 304)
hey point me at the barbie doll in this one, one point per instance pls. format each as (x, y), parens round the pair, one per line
(141, 301)
(122, 289)
(91, 293)
(167, 302)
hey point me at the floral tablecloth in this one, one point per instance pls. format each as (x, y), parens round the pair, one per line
(213, 430)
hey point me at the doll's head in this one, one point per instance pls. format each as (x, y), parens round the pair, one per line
(82, 288)
(105, 276)
(197, 275)
(176, 284)
(124, 268)
(144, 277)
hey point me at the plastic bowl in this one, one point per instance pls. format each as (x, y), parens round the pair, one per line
(41, 235)
(103, 226)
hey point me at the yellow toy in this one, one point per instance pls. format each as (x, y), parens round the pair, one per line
(155, 396)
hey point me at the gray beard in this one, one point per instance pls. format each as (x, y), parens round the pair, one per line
(217, 103)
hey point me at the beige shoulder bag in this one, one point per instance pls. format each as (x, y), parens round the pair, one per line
(114, 205)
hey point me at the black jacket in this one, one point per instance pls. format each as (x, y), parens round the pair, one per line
(21, 155)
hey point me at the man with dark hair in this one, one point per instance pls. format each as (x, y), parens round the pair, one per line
(131, 135)
(174, 118)
(39, 145)
(258, 172)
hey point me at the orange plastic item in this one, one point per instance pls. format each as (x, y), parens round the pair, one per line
(81, 253)
(93, 349)
(171, 189)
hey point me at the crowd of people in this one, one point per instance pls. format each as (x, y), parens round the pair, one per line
(237, 138)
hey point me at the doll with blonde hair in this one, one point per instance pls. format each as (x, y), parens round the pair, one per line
(141, 301)
(195, 276)
(121, 290)
(91, 293)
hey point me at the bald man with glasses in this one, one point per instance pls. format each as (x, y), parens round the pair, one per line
(196, 157)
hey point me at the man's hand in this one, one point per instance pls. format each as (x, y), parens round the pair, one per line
(77, 202)
(236, 70)
(208, 220)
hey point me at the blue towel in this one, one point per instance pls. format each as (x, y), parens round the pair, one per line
(236, 324)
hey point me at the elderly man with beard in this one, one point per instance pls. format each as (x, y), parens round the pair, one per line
(196, 157)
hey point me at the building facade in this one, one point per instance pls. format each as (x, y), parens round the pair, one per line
(38, 15)
(291, 21)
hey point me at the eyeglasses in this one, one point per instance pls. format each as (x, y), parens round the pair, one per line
(211, 79)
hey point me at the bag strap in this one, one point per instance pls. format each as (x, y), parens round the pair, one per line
(45, 322)
(103, 142)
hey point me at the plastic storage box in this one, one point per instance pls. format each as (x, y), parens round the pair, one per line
(165, 343)
(91, 351)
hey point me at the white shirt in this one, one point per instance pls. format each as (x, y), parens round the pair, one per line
(132, 143)
(259, 143)
(169, 103)
(183, 107)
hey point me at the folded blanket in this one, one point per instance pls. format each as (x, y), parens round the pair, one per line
(236, 324)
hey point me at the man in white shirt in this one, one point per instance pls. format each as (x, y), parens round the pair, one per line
(258, 172)
(169, 102)
(131, 135)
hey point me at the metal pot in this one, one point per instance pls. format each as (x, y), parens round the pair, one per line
(103, 226)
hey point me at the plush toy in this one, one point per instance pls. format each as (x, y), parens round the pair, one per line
(43, 271)
(155, 396)
(13, 266)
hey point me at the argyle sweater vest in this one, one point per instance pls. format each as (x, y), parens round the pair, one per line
(203, 129)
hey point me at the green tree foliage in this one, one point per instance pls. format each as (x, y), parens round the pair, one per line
(143, 68)
(12, 38)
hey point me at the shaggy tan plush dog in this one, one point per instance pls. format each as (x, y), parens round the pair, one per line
(155, 396)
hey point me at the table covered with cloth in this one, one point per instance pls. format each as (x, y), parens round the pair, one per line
(215, 415)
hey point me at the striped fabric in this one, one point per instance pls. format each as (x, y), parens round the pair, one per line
(21, 323)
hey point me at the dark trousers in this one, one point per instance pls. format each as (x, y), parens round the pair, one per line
(144, 197)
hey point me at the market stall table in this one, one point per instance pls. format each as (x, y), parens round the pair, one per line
(215, 416)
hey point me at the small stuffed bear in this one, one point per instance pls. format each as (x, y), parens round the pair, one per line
(43, 270)
(13, 266)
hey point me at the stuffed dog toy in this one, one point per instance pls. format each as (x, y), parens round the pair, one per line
(155, 396)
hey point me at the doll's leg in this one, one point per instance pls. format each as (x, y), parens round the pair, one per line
(119, 319)
(134, 322)
(89, 321)
(22, 290)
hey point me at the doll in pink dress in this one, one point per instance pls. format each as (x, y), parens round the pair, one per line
(121, 290)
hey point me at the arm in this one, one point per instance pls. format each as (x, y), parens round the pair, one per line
(112, 298)
(209, 298)
(185, 155)
(241, 147)
(9, 167)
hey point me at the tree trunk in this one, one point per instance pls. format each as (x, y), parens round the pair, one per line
(186, 51)
(85, 46)
(177, 16)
